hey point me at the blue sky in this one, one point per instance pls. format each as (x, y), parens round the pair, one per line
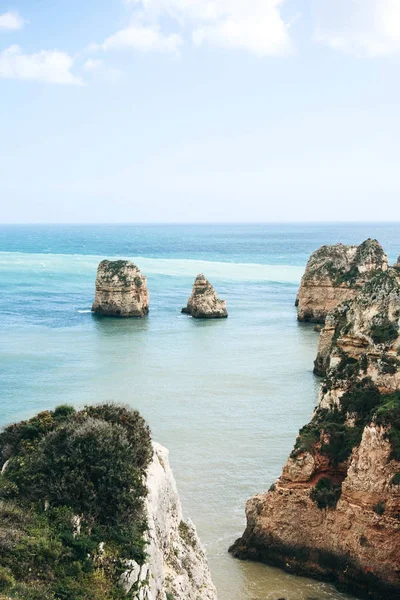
(199, 110)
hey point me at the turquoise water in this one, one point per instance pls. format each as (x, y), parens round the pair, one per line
(226, 397)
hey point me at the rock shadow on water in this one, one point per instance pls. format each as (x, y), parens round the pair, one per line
(117, 326)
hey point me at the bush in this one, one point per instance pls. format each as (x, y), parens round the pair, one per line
(326, 493)
(379, 508)
(88, 464)
(396, 479)
(6, 579)
(384, 333)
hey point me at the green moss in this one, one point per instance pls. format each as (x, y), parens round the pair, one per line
(90, 463)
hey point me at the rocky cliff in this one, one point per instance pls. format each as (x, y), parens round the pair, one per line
(335, 511)
(335, 274)
(204, 302)
(121, 290)
(89, 510)
(176, 566)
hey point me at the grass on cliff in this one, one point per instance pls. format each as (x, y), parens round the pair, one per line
(331, 435)
(71, 502)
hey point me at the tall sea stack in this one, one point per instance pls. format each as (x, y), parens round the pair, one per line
(121, 290)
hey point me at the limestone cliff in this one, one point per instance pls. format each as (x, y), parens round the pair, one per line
(204, 302)
(121, 290)
(335, 274)
(335, 511)
(176, 566)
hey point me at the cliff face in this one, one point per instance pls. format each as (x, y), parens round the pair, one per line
(204, 302)
(176, 566)
(335, 511)
(121, 290)
(335, 274)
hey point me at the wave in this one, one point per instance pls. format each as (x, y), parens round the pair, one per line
(79, 265)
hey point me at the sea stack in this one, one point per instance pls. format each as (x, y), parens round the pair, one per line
(204, 302)
(334, 513)
(335, 274)
(121, 290)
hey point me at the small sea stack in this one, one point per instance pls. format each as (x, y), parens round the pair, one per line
(121, 290)
(204, 302)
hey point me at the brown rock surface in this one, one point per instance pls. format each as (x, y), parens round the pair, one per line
(121, 290)
(335, 274)
(334, 513)
(204, 302)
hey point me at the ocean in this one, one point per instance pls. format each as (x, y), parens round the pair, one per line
(226, 397)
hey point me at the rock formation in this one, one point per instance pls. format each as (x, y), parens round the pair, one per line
(334, 513)
(335, 274)
(204, 302)
(176, 566)
(121, 290)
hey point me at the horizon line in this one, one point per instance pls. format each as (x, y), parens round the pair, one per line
(166, 223)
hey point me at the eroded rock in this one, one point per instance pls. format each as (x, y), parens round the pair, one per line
(204, 302)
(176, 565)
(334, 512)
(121, 290)
(335, 274)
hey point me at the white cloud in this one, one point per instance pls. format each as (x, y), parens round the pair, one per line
(361, 27)
(143, 39)
(97, 68)
(11, 21)
(93, 65)
(51, 66)
(253, 25)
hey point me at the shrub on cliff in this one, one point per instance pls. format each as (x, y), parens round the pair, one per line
(71, 501)
(326, 493)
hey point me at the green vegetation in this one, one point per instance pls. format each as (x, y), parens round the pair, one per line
(71, 502)
(326, 493)
(335, 438)
(379, 508)
(384, 332)
(396, 479)
(388, 414)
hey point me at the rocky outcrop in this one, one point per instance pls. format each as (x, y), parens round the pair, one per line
(334, 513)
(335, 274)
(204, 302)
(365, 329)
(176, 566)
(121, 290)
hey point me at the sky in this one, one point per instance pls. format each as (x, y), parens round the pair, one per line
(199, 110)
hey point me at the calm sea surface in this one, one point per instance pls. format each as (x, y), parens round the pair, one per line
(226, 397)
